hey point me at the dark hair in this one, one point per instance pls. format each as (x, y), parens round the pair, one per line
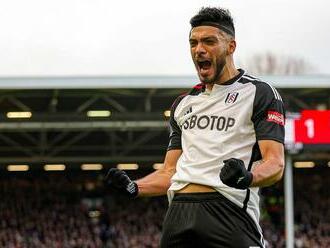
(211, 16)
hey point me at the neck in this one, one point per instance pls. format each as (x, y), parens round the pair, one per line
(229, 71)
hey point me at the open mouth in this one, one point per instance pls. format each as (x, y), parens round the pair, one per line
(204, 65)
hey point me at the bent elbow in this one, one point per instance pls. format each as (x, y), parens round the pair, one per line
(281, 166)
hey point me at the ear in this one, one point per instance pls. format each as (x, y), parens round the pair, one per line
(231, 47)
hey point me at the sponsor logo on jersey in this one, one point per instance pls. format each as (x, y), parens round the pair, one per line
(231, 97)
(212, 122)
(278, 118)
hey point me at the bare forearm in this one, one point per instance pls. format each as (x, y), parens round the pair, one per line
(267, 173)
(158, 182)
(155, 184)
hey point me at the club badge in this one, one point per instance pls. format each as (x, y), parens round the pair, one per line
(231, 97)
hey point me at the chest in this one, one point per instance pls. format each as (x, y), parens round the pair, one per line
(224, 112)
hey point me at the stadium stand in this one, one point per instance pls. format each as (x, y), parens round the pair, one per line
(74, 210)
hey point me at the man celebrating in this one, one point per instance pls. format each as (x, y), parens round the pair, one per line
(226, 141)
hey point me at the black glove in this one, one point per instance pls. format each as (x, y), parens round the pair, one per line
(119, 180)
(234, 174)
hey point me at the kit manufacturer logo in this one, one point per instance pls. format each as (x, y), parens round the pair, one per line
(188, 111)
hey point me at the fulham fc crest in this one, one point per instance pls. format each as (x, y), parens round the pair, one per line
(231, 97)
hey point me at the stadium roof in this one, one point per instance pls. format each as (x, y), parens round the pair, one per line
(89, 82)
(59, 129)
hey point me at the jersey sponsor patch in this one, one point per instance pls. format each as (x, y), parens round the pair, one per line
(231, 97)
(278, 118)
(212, 122)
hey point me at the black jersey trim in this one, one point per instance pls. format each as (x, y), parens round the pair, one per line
(234, 79)
(174, 129)
(255, 156)
(266, 99)
(264, 137)
(246, 200)
(249, 79)
(175, 142)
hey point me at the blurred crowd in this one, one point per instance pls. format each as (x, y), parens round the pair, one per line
(65, 211)
(312, 214)
(44, 212)
(311, 209)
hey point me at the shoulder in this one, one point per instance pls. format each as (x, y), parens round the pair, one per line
(194, 91)
(263, 88)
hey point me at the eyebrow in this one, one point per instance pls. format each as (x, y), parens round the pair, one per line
(204, 38)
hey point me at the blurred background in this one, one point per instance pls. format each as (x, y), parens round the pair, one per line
(87, 85)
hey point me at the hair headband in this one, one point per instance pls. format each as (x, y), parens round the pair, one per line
(226, 29)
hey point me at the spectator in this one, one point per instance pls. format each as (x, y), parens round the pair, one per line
(61, 211)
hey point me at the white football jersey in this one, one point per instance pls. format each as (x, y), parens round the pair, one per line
(226, 122)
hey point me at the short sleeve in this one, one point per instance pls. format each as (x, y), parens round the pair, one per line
(175, 130)
(268, 113)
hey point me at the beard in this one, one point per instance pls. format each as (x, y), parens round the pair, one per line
(219, 65)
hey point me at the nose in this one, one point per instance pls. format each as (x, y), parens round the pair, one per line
(200, 49)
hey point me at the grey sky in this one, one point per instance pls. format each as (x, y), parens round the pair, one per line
(103, 37)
